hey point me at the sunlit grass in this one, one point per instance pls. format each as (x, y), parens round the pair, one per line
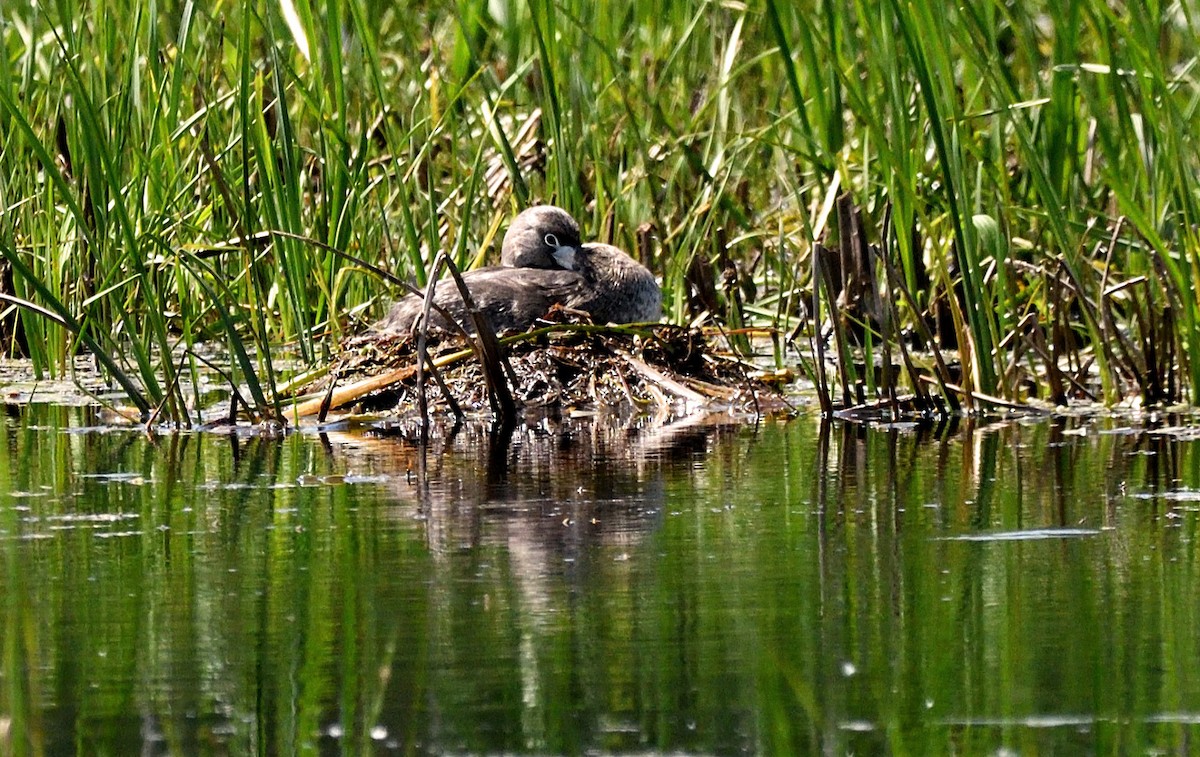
(147, 152)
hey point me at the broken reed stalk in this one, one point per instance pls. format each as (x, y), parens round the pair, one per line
(889, 324)
(489, 352)
(423, 345)
(822, 379)
(845, 359)
(1062, 298)
(323, 409)
(1129, 358)
(1064, 290)
(382, 273)
(942, 374)
(486, 346)
(185, 420)
(885, 329)
(455, 408)
(1043, 348)
(1107, 326)
(423, 358)
(335, 398)
(1165, 331)
(235, 394)
(487, 349)
(835, 321)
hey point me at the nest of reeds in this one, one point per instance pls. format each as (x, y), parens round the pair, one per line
(565, 362)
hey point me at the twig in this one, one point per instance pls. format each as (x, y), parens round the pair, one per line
(989, 399)
(351, 392)
(661, 379)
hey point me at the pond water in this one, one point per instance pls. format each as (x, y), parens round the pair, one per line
(703, 587)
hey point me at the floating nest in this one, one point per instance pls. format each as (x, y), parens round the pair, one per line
(566, 362)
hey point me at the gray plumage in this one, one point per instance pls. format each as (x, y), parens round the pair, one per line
(534, 236)
(615, 287)
(544, 265)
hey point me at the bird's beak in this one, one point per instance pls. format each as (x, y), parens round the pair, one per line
(565, 257)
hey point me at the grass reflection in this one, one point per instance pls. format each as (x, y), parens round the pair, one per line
(707, 588)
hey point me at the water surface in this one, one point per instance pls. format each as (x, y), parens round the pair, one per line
(704, 587)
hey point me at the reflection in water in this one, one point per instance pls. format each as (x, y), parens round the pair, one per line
(545, 510)
(550, 481)
(569, 586)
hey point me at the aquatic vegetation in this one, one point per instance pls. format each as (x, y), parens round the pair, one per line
(1007, 192)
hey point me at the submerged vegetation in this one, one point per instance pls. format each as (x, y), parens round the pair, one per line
(1011, 188)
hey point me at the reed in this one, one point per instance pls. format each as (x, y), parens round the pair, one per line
(174, 177)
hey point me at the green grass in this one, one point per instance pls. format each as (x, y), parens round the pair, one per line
(148, 150)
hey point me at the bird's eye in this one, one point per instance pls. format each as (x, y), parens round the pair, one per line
(551, 240)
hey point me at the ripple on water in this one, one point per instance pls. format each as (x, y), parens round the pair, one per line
(1032, 534)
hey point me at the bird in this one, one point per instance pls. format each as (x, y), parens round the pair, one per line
(543, 263)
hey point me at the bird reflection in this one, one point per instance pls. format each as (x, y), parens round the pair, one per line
(558, 482)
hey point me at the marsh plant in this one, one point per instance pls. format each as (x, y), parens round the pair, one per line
(1010, 187)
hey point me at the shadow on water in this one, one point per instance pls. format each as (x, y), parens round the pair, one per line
(569, 586)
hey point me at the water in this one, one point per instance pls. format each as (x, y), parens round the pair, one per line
(706, 588)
